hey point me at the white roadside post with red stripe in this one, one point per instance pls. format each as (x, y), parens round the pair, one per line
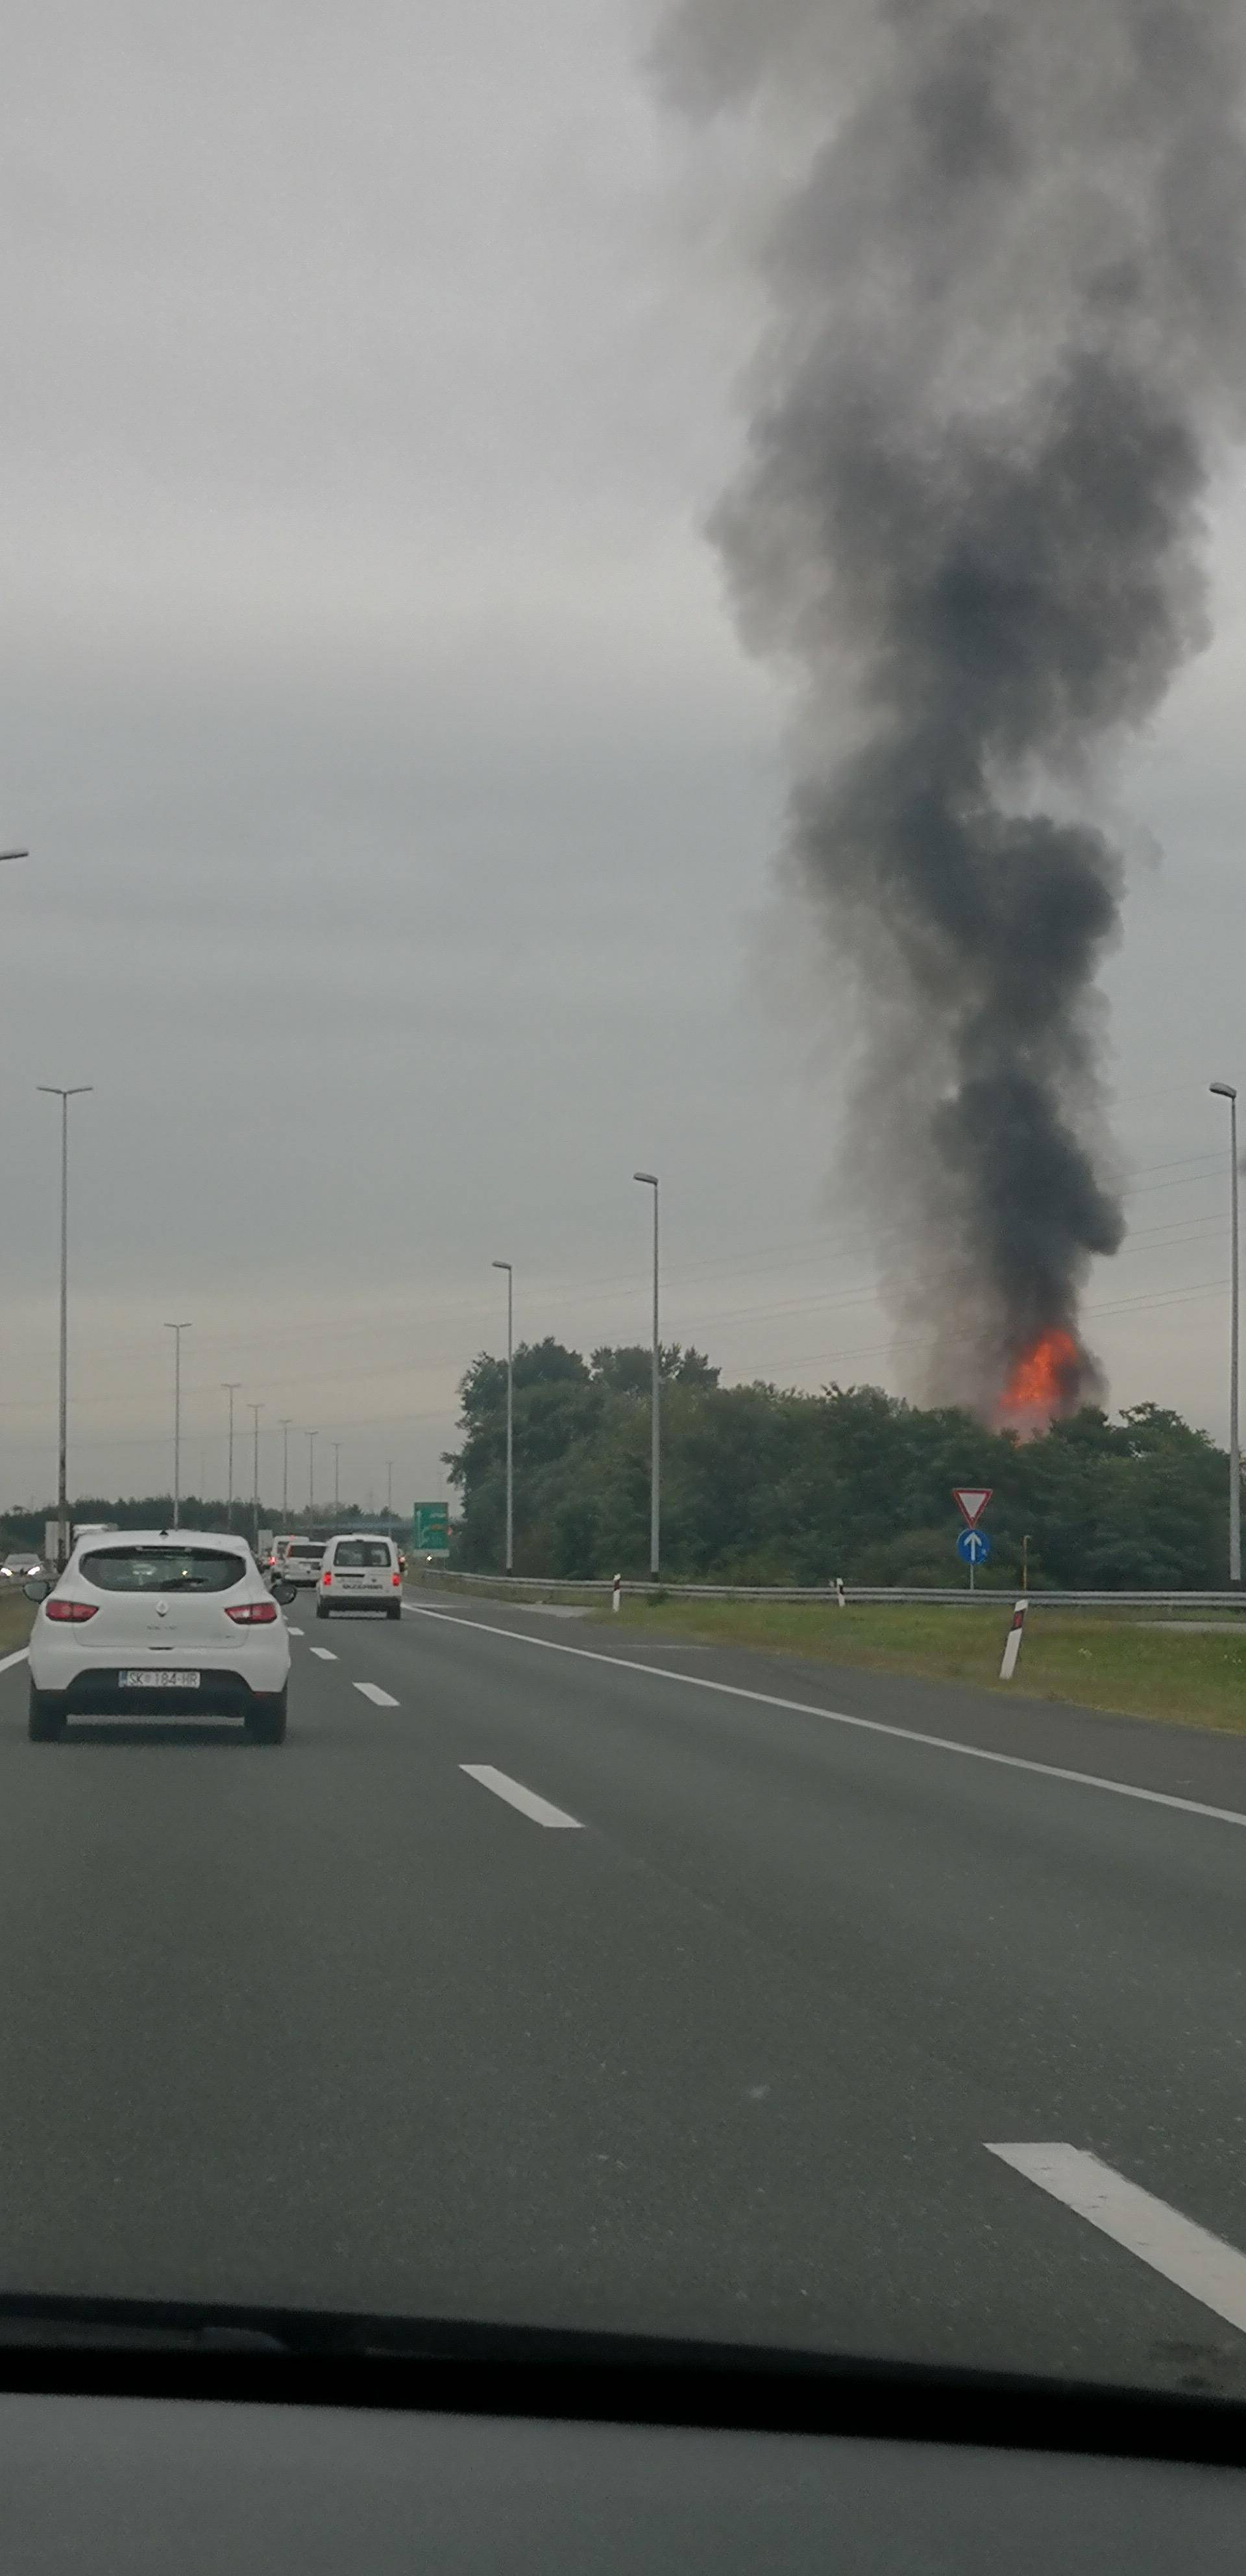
(1012, 1642)
(617, 1592)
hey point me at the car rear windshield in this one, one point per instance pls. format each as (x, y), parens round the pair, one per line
(162, 1569)
(361, 1551)
(307, 1547)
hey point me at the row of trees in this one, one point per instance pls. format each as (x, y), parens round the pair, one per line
(197, 1512)
(761, 1484)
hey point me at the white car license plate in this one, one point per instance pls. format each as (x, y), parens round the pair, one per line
(158, 1681)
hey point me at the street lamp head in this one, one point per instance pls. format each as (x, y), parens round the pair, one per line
(1223, 1090)
(502, 1265)
(65, 1091)
(14, 854)
(650, 1177)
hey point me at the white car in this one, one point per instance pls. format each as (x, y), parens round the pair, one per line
(159, 1620)
(298, 1560)
(360, 1572)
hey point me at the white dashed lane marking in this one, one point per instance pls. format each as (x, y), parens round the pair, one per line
(841, 1717)
(379, 1698)
(537, 1809)
(293, 1632)
(325, 1656)
(1202, 2265)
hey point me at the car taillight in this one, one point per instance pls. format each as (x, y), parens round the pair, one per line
(72, 1611)
(253, 1614)
(326, 1577)
(396, 1580)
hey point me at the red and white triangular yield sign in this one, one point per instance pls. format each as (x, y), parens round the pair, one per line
(973, 1500)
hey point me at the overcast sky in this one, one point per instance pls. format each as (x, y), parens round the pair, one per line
(401, 806)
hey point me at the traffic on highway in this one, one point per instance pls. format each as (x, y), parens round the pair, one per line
(665, 1995)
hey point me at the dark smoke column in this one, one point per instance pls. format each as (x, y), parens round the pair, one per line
(1007, 343)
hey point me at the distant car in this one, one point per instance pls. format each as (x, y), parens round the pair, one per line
(19, 1564)
(300, 1559)
(159, 1621)
(360, 1573)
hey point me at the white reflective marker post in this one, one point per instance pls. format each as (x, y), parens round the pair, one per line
(1012, 1642)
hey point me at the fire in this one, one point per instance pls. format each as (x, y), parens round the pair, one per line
(1043, 1381)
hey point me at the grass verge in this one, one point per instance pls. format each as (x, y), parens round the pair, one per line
(1183, 1677)
(16, 1614)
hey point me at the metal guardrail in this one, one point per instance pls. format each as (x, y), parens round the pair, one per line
(528, 1587)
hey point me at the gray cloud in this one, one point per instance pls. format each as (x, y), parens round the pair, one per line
(402, 805)
(1007, 307)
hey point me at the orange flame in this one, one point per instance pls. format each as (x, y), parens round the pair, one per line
(1043, 1381)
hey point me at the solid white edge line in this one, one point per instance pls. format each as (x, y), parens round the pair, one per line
(7, 1661)
(1200, 2264)
(515, 1794)
(840, 1717)
(379, 1698)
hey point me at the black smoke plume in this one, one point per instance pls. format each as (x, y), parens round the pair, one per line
(1006, 345)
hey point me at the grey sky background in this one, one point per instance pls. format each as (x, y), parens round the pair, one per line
(403, 807)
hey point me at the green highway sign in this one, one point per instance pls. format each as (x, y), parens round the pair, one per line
(430, 1529)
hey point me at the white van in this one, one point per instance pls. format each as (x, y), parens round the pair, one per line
(360, 1572)
(298, 1560)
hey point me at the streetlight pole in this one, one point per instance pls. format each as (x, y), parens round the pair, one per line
(510, 1413)
(312, 1438)
(389, 1489)
(285, 1467)
(62, 1450)
(177, 1331)
(255, 1411)
(337, 1478)
(650, 1180)
(230, 1386)
(1227, 1091)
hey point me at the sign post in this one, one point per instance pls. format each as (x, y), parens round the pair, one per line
(971, 1502)
(973, 1547)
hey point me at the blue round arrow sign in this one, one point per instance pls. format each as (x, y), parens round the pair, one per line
(973, 1547)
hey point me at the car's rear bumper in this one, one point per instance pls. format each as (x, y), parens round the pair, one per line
(220, 1693)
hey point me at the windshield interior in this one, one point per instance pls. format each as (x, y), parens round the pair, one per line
(622, 921)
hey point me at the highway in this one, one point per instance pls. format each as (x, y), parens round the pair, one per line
(533, 1979)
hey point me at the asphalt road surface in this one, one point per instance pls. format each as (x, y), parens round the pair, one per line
(534, 1979)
